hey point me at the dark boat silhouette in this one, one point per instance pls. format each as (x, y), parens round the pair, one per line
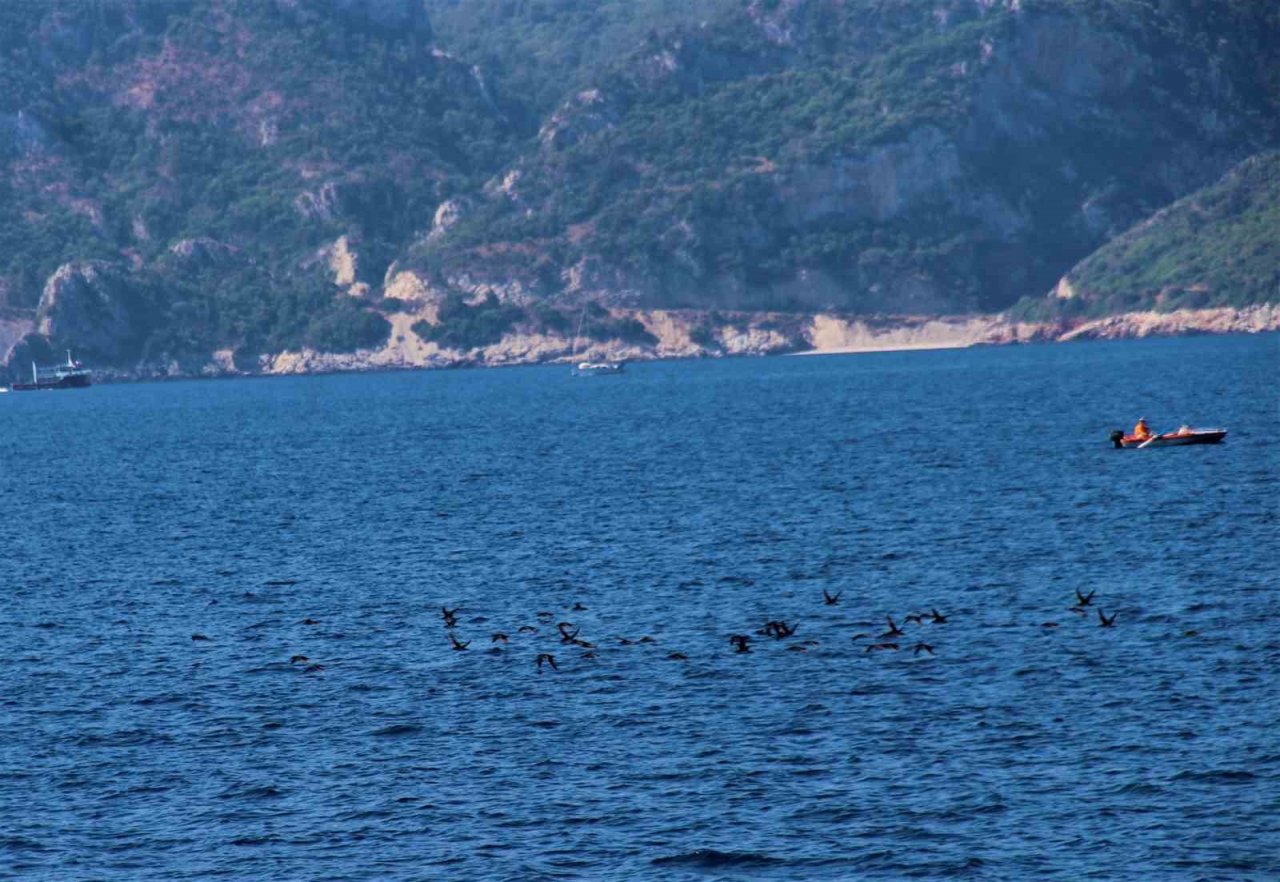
(70, 375)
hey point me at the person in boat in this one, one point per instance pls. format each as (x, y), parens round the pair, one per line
(1142, 431)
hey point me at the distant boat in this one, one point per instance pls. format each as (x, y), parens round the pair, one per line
(1181, 438)
(593, 368)
(598, 368)
(71, 375)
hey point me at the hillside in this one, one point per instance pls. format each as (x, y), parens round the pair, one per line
(900, 156)
(228, 180)
(1220, 246)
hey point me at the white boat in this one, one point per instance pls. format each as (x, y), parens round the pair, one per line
(593, 368)
(598, 368)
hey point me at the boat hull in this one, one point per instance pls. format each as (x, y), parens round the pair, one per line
(74, 381)
(598, 369)
(1175, 439)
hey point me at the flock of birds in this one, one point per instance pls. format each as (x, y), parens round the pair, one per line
(570, 635)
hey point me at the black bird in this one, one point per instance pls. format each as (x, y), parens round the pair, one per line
(894, 630)
(578, 607)
(450, 616)
(938, 618)
(499, 637)
(527, 629)
(875, 646)
(565, 635)
(646, 639)
(198, 637)
(308, 622)
(914, 619)
(583, 643)
(830, 599)
(1083, 599)
(777, 629)
(923, 647)
(1104, 622)
(547, 658)
(313, 669)
(677, 656)
(859, 636)
(298, 658)
(741, 641)
(625, 642)
(544, 614)
(458, 644)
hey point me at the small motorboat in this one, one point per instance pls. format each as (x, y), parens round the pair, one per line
(1181, 438)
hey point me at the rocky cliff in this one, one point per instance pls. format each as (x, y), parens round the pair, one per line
(268, 184)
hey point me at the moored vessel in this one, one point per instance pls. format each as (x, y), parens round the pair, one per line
(70, 375)
(598, 368)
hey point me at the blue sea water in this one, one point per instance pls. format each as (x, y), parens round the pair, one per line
(684, 501)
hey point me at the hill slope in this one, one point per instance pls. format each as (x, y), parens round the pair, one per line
(898, 156)
(246, 177)
(1220, 246)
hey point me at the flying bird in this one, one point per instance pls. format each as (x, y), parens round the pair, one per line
(831, 599)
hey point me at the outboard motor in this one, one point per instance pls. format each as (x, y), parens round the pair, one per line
(1116, 437)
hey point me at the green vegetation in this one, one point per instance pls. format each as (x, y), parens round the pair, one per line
(682, 171)
(547, 49)
(598, 324)
(901, 155)
(1219, 246)
(268, 128)
(466, 327)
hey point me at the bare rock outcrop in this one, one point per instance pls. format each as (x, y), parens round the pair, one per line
(203, 252)
(90, 306)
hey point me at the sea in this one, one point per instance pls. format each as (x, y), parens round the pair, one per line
(169, 549)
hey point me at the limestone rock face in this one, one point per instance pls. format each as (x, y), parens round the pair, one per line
(204, 252)
(448, 213)
(880, 185)
(89, 306)
(583, 115)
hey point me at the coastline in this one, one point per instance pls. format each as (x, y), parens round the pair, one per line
(684, 334)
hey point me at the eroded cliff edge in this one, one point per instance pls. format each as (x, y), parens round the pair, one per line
(676, 334)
